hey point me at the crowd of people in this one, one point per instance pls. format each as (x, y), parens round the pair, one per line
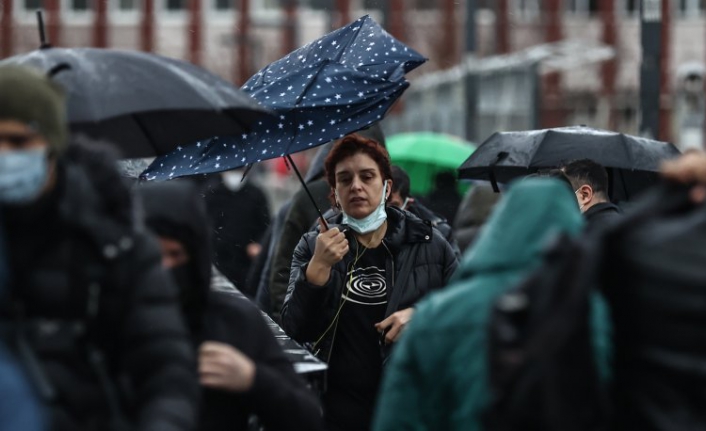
(131, 306)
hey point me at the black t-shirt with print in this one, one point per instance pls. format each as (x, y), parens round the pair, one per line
(355, 366)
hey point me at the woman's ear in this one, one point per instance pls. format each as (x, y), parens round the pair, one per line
(389, 190)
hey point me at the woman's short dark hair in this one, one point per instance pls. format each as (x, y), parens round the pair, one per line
(349, 147)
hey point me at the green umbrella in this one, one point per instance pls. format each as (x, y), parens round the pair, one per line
(423, 154)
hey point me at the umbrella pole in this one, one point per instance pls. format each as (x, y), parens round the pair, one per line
(288, 158)
(42, 35)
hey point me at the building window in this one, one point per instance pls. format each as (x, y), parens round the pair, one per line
(127, 5)
(372, 4)
(324, 5)
(590, 7)
(691, 8)
(32, 4)
(426, 4)
(631, 7)
(176, 5)
(527, 9)
(225, 4)
(79, 5)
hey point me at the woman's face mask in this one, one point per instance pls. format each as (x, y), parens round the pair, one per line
(373, 221)
(23, 175)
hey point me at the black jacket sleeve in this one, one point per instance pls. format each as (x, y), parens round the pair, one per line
(304, 315)
(156, 353)
(279, 397)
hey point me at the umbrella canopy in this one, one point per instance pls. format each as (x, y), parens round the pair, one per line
(144, 103)
(336, 85)
(422, 155)
(632, 162)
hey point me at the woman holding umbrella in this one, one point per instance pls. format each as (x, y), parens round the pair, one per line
(354, 284)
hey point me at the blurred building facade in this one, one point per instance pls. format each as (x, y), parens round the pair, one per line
(213, 33)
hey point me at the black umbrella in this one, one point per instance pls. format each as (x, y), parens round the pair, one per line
(146, 104)
(632, 162)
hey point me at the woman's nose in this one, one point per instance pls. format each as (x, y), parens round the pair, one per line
(356, 183)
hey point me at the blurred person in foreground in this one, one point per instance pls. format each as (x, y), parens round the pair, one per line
(353, 287)
(438, 376)
(19, 409)
(590, 182)
(94, 314)
(242, 367)
(402, 199)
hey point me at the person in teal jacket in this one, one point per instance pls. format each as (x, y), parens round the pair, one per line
(437, 377)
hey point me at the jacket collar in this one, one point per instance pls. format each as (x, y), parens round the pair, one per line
(403, 228)
(601, 207)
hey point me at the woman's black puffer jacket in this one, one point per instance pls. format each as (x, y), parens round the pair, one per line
(419, 260)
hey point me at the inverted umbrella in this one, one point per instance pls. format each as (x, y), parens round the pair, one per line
(632, 162)
(340, 83)
(144, 103)
(424, 154)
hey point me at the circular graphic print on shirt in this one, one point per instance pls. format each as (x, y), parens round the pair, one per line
(367, 286)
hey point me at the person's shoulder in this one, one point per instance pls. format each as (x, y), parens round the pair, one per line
(234, 307)
(444, 313)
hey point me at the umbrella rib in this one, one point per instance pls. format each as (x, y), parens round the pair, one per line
(354, 37)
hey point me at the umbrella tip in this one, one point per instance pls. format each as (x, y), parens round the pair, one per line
(43, 43)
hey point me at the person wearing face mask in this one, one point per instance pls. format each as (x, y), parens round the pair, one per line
(401, 199)
(240, 215)
(354, 284)
(242, 368)
(590, 183)
(90, 313)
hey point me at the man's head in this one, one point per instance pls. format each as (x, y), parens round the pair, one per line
(400, 188)
(589, 181)
(33, 132)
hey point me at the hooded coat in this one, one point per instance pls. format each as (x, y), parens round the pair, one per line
(278, 397)
(86, 276)
(437, 376)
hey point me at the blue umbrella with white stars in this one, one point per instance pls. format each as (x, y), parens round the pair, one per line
(336, 85)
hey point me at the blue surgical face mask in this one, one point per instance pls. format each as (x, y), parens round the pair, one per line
(23, 174)
(373, 221)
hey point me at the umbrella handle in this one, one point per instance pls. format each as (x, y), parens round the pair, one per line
(491, 174)
(288, 159)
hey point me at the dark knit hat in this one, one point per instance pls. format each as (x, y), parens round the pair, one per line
(28, 96)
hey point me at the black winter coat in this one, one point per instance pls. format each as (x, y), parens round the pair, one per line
(87, 276)
(420, 260)
(439, 222)
(279, 397)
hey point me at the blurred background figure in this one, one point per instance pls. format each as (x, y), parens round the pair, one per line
(444, 199)
(402, 199)
(473, 211)
(242, 367)
(240, 215)
(590, 182)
